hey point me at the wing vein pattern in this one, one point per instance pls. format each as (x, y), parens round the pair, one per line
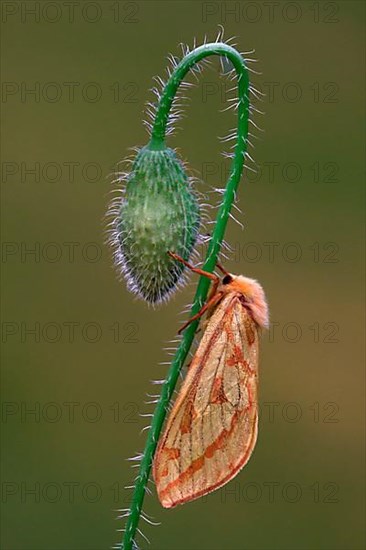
(212, 428)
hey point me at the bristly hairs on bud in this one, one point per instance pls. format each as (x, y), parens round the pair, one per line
(138, 221)
(158, 212)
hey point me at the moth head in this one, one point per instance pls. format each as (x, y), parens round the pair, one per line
(252, 293)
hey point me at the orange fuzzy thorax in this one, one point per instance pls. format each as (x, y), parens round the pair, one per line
(253, 294)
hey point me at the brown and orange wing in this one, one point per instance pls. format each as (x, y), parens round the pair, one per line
(212, 428)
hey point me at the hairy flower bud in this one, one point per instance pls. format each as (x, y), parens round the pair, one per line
(159, 212)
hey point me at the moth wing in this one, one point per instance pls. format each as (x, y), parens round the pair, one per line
(212, 428)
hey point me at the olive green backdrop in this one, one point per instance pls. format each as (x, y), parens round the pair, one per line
(79, 351)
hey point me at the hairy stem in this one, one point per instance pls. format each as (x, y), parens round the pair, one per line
(158, 142)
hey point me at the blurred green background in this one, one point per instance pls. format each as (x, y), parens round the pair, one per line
(85, 369)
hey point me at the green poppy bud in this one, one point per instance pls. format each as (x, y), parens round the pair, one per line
(159, 212)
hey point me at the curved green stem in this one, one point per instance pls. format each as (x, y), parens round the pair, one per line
(158, 142)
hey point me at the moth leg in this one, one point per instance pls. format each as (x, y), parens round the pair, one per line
(211, 276)
(216, 298)
(213, 289)
(222, 269)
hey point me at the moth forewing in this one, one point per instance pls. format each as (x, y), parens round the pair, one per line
(212, 428)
